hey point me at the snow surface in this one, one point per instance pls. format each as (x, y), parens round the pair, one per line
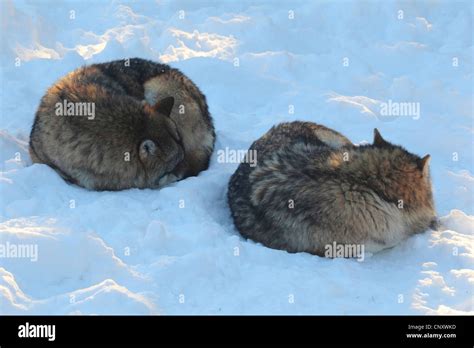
(141, 252)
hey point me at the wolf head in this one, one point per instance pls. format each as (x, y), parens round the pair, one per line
(404, 160)
(403, 177)
(161, 148)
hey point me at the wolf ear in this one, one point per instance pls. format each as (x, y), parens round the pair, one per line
(164, 106)
(147, 148)
(378, 140)
(424, 164)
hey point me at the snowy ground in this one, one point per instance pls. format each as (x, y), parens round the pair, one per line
(139, 252)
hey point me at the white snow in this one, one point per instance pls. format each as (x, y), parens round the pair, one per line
(175, 250)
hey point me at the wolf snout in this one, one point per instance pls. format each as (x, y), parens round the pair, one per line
(147, 149)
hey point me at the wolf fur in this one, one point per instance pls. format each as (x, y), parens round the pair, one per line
(129, 142)
(190, 115)
(312, 187)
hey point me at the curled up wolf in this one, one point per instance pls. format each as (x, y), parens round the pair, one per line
(151, 126)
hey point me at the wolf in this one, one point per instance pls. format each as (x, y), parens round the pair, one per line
(150, 82)
(129, 142)
(313, 188)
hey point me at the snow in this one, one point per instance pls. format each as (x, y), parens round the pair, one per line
(175, 250)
